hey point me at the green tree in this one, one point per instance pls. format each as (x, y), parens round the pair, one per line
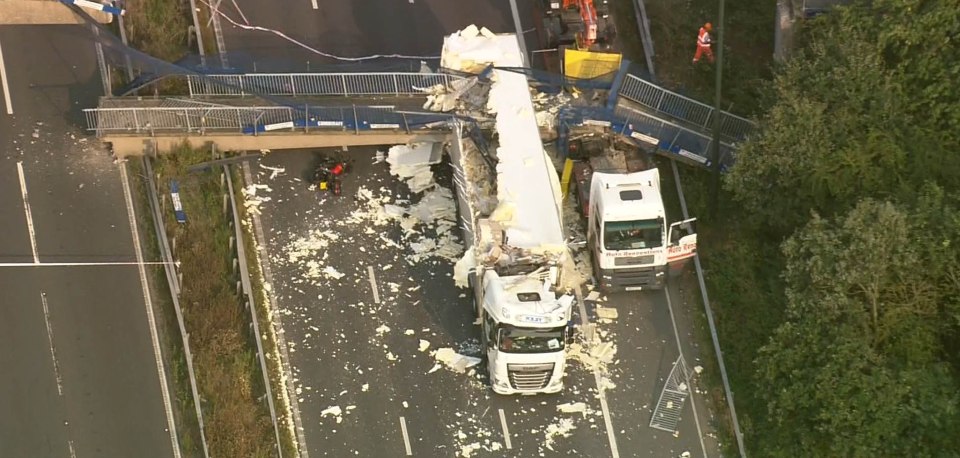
(869, 108)
(859, 367)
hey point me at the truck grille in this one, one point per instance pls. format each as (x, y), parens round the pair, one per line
(530, 376)
(634, 260)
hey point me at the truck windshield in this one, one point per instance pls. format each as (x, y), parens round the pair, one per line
(633, 235)
(530, 340)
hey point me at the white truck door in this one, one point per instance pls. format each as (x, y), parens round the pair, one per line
(683, 241)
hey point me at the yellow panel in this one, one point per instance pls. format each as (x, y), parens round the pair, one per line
(565, 177)
(587, 65)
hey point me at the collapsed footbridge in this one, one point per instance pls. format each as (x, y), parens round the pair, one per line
(253, 111)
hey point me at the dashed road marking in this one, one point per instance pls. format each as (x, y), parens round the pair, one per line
(314, 3)
(506, 432)
(373, 284)
(53, 350)
(26, 210)
(73, 453)
(3, 81)
(406, 439)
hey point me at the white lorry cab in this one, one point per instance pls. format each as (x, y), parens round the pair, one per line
(525, 328)
(627, 234)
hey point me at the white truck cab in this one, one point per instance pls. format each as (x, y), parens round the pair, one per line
(525, 330)
(627, 234)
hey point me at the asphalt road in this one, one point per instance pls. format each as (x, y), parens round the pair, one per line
(331, 327)
(355, 29)
(342, 358)
(80, 373)
(337, 342)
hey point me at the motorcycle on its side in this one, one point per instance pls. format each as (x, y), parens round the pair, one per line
(327, 175)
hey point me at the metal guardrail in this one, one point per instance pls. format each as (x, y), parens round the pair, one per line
(651, 131)
(683, 108)
(315, 84)
(173, 282)
(201, 120)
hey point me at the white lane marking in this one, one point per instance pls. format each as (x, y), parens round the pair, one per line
(406, 439)
(693, 404)
(519, 27)
(53, 350)
(506, 432)
(26, 210)
(3, 81)
(314, 3)
(148, 303)
(607, 420)
(73, 453)
(373, 284)
(83, 264)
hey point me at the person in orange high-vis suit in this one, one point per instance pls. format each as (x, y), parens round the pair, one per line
(703, 43)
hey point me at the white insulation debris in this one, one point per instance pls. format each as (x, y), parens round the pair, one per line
(455, 361)
(528, 188)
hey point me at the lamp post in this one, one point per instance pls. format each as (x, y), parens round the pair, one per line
(717, 121)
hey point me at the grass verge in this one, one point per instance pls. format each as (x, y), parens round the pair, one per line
(237, 421)
(158, 27)
(748, 50)
(178, 379)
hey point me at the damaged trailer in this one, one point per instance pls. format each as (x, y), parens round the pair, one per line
(509, 204)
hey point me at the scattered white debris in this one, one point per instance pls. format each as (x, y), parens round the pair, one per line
(573, 407)
(274, 171)
(607, 313)
(466, 451)
(424, 345)
(365, 387)
(252, 201)
(592, 297)
(411, 163)
(333, 411)
(330, 272)
(563, 428)
(391, 356)
(455, 361)
(409, 332)
(698, 369)
(382, 329)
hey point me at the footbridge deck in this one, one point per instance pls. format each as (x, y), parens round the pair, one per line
(336, 109)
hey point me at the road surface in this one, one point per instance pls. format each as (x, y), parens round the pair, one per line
(364, 390)
(355, 29)
(80, 368)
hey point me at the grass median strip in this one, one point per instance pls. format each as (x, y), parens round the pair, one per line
(237, 421)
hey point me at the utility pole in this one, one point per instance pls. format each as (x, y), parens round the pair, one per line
(717, 122)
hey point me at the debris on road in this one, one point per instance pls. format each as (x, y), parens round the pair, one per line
(563, 428)
(607, 313)
(455, 361)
